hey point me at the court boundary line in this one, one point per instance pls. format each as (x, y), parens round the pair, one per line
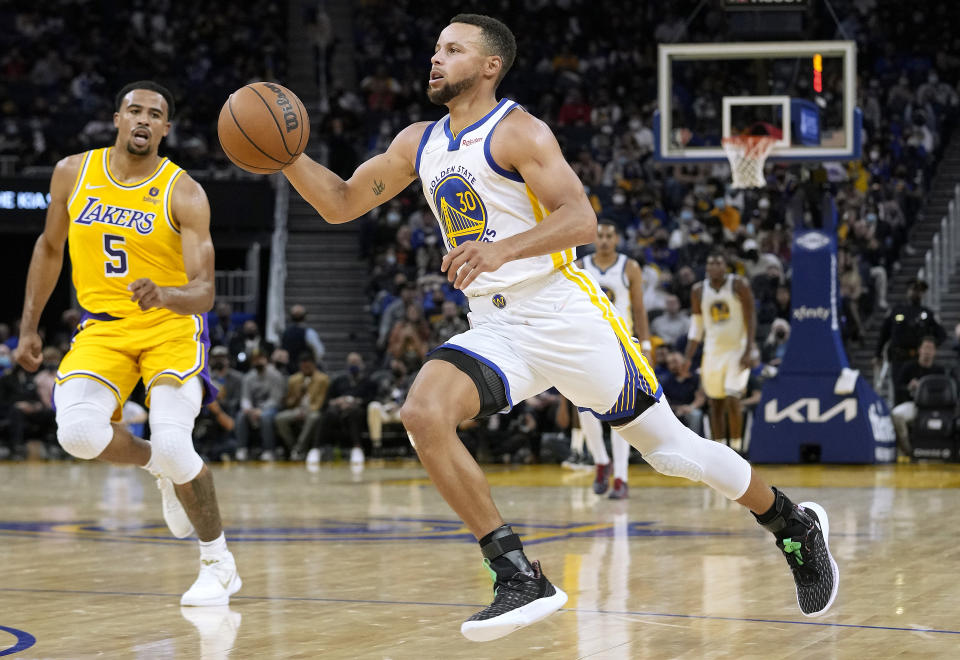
(670, 615)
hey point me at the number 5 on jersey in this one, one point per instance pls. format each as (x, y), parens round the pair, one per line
(116, 265)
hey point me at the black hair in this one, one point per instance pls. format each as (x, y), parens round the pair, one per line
(497, 38)
(609, 222)
(153, 87)
(307, 356)
(718, 252)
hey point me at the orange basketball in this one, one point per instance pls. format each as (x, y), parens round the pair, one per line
(263, 127)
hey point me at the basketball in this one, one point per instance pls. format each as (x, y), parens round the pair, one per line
(263, 127)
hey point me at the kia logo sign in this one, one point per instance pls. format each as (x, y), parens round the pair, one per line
(808, 410)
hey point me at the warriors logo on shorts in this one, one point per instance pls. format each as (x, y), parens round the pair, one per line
(462, 213)
(499, 301)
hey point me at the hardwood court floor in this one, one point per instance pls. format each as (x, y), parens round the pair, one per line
(337, 565)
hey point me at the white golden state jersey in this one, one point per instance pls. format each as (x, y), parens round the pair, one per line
(475, 199)
(723, 319)
(614, 283)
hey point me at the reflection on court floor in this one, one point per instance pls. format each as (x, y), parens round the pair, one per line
(375, 565)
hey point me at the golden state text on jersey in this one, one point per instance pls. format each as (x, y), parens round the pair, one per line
(463, 216)
(121, 232)
(475, 198)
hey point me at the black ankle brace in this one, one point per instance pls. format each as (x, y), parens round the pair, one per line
(776, 518)
(503, 549)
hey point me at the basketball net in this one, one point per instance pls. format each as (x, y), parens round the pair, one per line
(747, 154)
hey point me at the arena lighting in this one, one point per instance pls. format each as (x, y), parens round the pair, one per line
(818, 73)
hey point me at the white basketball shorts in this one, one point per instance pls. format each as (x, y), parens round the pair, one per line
(722, 375)
(559, 331)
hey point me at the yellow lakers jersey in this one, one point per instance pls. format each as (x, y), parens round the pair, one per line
(120, 233)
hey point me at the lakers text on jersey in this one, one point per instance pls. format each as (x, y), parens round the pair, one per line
(120, 233)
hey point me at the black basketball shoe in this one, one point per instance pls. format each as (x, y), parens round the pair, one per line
(517, 602)
(805, 544)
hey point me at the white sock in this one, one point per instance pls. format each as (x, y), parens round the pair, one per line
(214, 548)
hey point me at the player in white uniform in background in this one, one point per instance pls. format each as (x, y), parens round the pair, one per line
(621, 278)
(724, 319)
(512, 211)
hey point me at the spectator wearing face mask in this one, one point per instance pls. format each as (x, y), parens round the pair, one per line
(214, 430)
(775, 345)
(263, 390)
(904, 327)
(246, 343)
(306, 395)
(280, 359)
(298, 337)
(348, 397)
(392, 390)
(728, 215)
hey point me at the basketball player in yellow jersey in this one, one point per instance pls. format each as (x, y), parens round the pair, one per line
(138, 229)
(512, 210)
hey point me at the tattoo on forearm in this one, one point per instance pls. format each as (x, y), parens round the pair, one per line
(378, 187)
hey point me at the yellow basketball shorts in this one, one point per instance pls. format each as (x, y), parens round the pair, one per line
(118, 352)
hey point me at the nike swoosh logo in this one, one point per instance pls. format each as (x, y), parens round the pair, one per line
(89, 187)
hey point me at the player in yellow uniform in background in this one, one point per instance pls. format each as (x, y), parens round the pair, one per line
(138, 229)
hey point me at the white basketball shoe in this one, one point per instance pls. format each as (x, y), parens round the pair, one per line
(217, 581)
(173, 512)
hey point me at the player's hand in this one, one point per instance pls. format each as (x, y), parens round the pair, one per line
(28, 353)
(147, 294)
(465, 262)
(745, 359)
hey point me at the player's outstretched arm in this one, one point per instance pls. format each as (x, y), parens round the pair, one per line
(525, 144)
(377, 180)
(47, 260)
(191, 211)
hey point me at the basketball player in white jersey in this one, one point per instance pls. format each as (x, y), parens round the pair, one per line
(621, 278)
(512, 210)
(723, 317)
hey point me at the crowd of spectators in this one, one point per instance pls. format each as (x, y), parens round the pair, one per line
(62, 62)
(269, 405)
(595, 88)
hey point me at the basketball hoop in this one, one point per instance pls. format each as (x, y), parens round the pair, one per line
(747, 154)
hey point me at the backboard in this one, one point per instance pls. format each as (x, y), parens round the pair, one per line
(803, 93)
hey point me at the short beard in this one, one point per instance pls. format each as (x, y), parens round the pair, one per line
(450, 91)
(132, 148)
